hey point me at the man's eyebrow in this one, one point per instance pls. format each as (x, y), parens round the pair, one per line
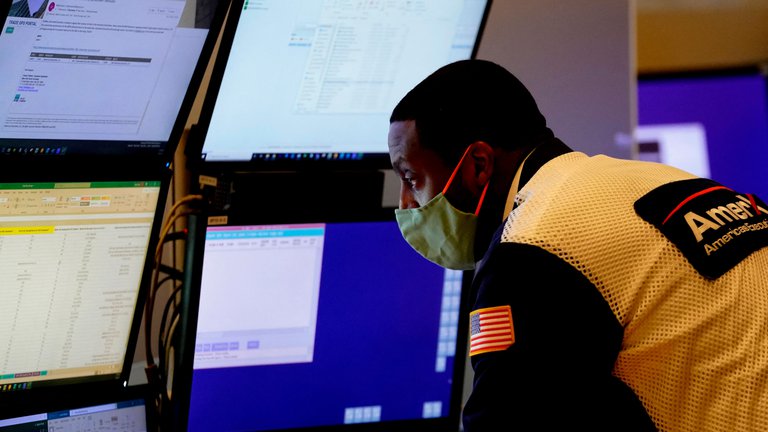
(397, 165)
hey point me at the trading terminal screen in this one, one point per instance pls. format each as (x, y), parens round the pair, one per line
(325, 324)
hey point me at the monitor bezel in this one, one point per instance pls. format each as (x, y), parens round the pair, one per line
(713, 72)
(5, 6)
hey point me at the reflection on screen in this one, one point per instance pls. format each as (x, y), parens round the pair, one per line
(92, 71)
(322, 324)
(71, 260)
(322, 77)
(682, 146)
(730, 108)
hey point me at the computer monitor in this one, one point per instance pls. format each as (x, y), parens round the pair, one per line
(118, 77)
(712, 123)
(326, 326)
(72, 270)
(124, 410)
(313, 82)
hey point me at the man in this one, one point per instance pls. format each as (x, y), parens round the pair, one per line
(608, 294)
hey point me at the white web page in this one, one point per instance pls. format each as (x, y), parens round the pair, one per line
(115, 70)
(259, 296)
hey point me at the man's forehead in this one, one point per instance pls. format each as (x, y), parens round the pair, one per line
(408, 155)
(403, 143)
(402, 133)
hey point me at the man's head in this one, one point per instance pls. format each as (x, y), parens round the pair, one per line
(463, 131)
(471, 103)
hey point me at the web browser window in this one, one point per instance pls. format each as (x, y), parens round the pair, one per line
(264, 310)
(98, 74)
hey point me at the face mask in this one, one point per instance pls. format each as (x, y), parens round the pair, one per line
(440, 232)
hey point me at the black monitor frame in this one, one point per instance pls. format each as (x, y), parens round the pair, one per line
(729, 71)
(5, 6)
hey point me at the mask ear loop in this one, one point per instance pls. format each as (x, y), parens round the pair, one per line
(455, 170)
(453, 174)
(482, 197)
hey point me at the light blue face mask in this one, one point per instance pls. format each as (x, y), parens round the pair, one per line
(440, 232)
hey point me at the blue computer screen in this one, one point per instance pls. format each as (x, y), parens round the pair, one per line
(322, 324)
(731, 108)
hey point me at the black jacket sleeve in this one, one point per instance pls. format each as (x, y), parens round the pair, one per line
(558, 373)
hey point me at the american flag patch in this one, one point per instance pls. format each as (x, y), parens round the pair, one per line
(491, 329)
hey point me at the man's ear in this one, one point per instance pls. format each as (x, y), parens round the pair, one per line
(483, 157)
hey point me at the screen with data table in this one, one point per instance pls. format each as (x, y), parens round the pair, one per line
(71, 262)
(316, 80)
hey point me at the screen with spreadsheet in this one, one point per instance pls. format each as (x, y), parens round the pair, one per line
(325, 325)
(316, 80)
(71, 262)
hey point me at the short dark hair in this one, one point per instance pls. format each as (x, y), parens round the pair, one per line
(468, 101)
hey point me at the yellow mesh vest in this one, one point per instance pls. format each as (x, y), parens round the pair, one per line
(695, 351)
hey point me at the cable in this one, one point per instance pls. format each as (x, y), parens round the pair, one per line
(164, 338)
(160, 284)
(173, 199)
(173, 215)
(158, 376)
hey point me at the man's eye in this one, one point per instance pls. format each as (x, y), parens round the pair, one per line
(409, 181)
